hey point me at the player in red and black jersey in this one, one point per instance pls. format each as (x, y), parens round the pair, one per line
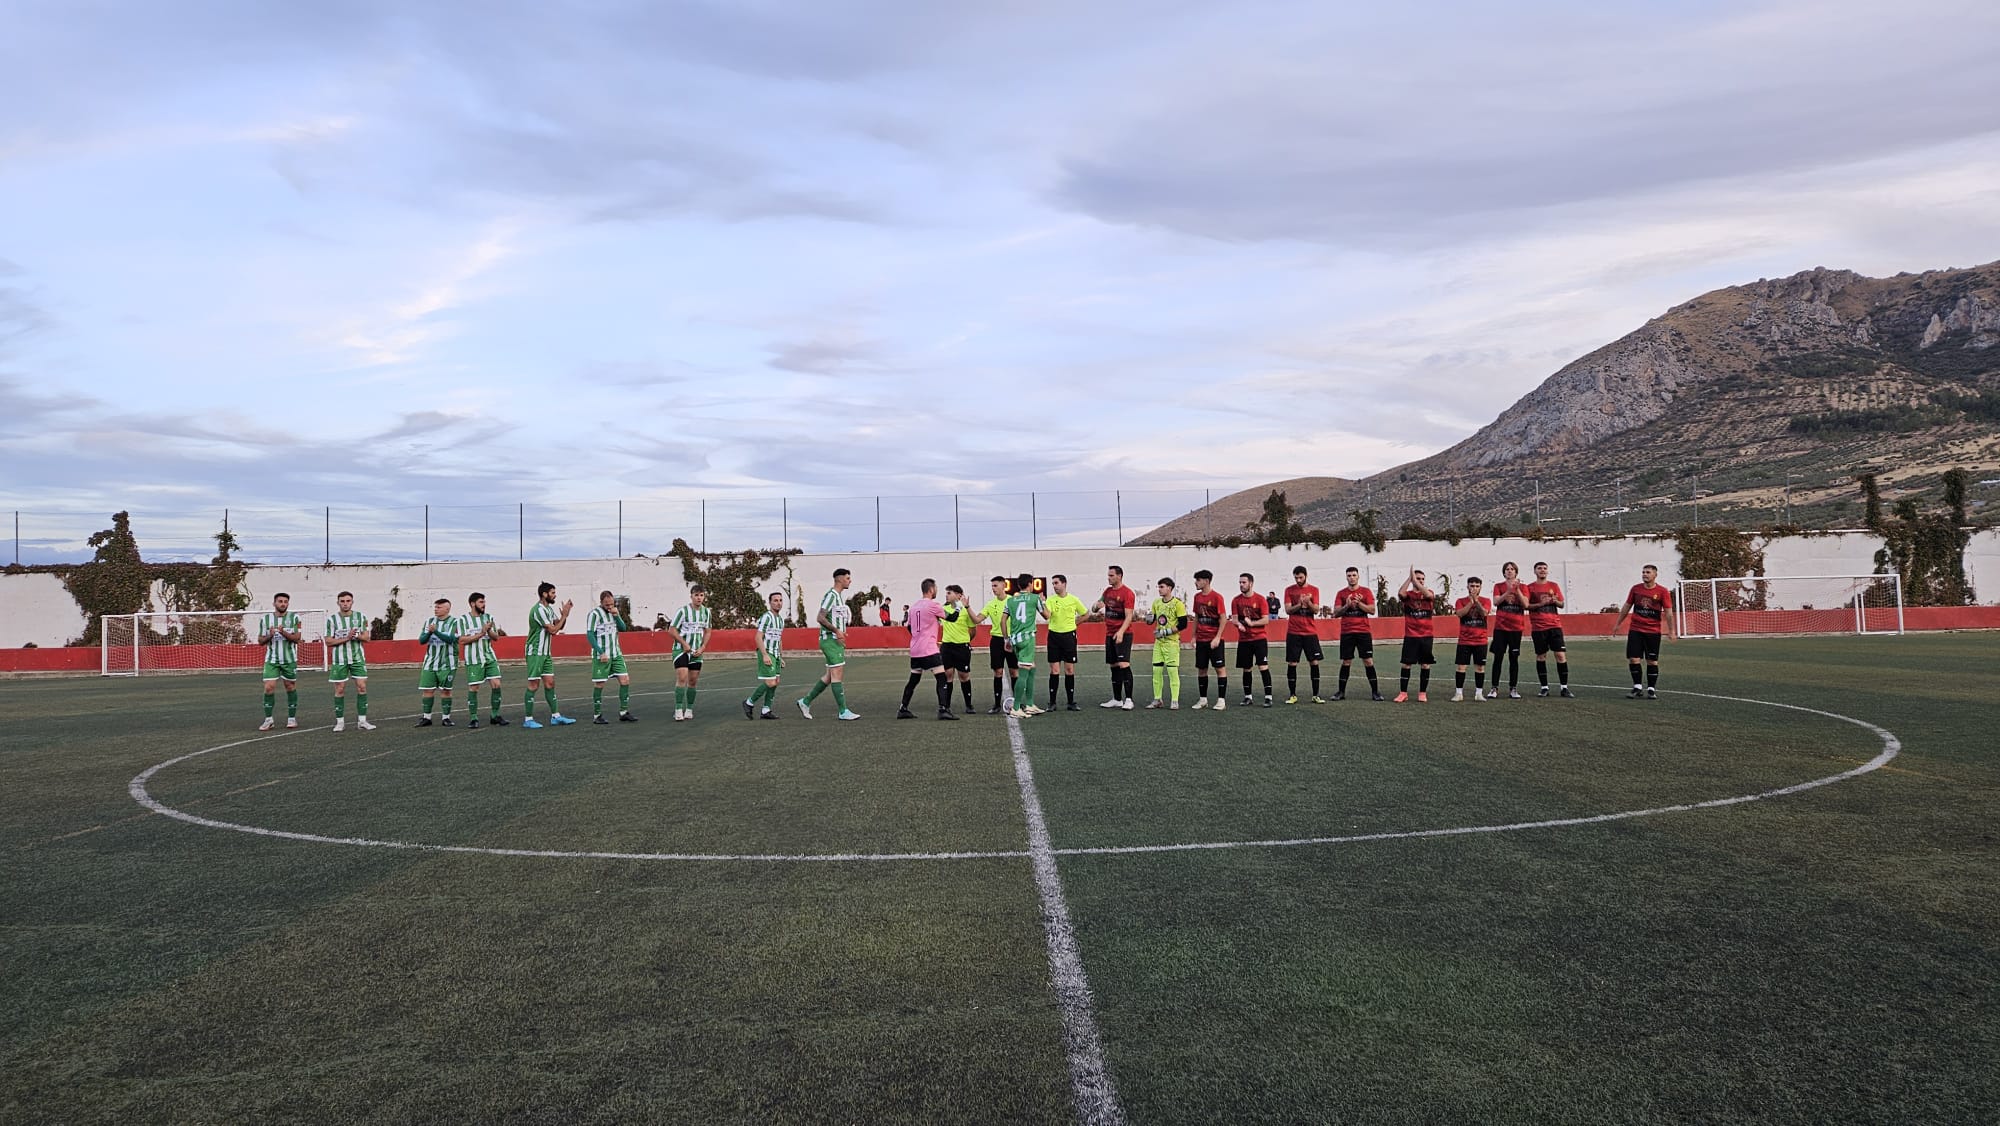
(1207, 610)
(1651, 607)
(1510, 622)
(1419, 604)
(1352, 604)
(1475, 616)
(1301, 634)
(1117, 609)
(1545, 603)
(1250, 611)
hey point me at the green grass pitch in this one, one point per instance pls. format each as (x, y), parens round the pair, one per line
(1828, 955)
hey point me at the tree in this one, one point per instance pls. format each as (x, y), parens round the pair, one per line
(115, 581)
(1276, 525)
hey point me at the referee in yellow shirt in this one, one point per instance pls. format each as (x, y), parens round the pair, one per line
(955, 641)
(1064, 609)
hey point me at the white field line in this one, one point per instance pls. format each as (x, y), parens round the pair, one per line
(1096, 1099)
(1891, 747)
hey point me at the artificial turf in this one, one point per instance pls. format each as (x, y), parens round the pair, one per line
(1827, 955)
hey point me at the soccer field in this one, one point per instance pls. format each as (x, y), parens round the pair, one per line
(841, 921)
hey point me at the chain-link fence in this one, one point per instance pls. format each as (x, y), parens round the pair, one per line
(613, 528)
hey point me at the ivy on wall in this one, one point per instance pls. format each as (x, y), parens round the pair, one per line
(1721, 552)
(117, 580)
(1927, 549)
(734, 580)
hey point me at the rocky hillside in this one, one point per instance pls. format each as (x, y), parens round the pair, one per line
(1722, 400)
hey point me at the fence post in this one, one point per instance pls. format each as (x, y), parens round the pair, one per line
(17, 537)
(520, 529)
(704, 525)
(1538, 504)
(785, 520)
(954, 523)
(1118, 498)
(878, 525)
(329, 535)
(427, 533)
(621, 529)
(1034, 524)
(1205, 502)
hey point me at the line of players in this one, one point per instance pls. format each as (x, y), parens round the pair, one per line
(941, 645)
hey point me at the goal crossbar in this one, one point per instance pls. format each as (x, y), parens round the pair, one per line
(198, 641)
(1776, 605)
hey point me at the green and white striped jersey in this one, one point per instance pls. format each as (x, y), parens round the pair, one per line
(692, 626)
(480, 651)
(1023, 610)
(279, 650)
(440, 638)
(345, 652)
(836, 612)
(540, 621)
(771, 628)
(602, 626)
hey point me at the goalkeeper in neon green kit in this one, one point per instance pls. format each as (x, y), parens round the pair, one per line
(1169, 617)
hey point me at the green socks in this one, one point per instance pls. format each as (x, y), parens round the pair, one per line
(680, 697)
(496, 703)
(270, 703)
(818, 687)
(339, 707)
(840, 694)
(624, 698)
(528, 703)
(361, 705)
(447, 707)
(429, 703)
(292, 702)
(691, 692)
(549, 694)
(1024, 688)
(597, 699)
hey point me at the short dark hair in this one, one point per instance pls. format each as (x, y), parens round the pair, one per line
(1204, 574)
(839, 571)
(1507, 564)
(954, 588)
(1117, 568)
(767, 598)
(350, 594)
(603, 594)
(697, 589)
(544, 589)
(1418, 571)
(1473, 580)
(1650, 567)
(1354, 570)
(442, 602)
(1059, 578)
(1027, 581)
(929, 586)
(1299, 570)
(1248, 575)
(999, 579)
(280, 594)
(474, 596)
(1541, 563)
(1166, 582)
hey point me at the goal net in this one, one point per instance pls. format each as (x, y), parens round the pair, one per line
(199, 641)
(1764, 605)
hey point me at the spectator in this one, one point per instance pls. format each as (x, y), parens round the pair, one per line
(659, 621)
(886, 619)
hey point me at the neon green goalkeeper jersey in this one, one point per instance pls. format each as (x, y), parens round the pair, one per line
(1166, 617)
(602, 626)
(691, 625)
(279, 650)
(440, 638)
(346, 652)
(480, 651)
(541, 623)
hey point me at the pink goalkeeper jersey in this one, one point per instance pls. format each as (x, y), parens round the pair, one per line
(924, 616)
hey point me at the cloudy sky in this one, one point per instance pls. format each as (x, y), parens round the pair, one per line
(376, 254)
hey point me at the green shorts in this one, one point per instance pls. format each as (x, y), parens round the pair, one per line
(601, 671)
(769, 670)
(1024, 649)
(336, 674)
(287, 671)
(541, 666)
(834, 651)
(479, 672)
(436, 678)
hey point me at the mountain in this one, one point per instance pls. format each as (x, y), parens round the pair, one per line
(1811, 378)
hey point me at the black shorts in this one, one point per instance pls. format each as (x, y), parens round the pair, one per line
(1254, 653)
(684, 661)
(1506, 641)
(998, 656)
(957, 655)
(1548, 641)
(1117, 652)
(1062, 647)
(1210, 654)
(934, 662)
(1306, 644)
(1474, 655)
(1419, 651)
(1646, 645)
(1354, 645)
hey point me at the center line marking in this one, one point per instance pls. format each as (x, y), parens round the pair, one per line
(1096, 1099)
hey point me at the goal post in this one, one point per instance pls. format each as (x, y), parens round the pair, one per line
(1774, 605)
(198, 641)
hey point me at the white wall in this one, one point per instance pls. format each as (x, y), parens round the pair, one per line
(1594, 573)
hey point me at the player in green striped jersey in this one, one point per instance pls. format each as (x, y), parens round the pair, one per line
(477, 629)
(439, 633)
(545, 620)
(1022, 613)
(690, 630)
(833, 618)
(347, 661)
(770, 659)
(607, 658)
(278, 633)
